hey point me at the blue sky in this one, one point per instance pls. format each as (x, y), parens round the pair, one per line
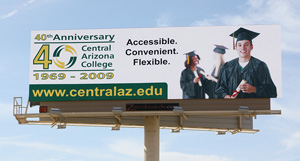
(279, 136)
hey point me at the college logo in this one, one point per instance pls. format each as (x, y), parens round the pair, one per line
(64, 56)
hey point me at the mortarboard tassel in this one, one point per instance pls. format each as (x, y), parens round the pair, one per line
(188, 58)
(233, 41)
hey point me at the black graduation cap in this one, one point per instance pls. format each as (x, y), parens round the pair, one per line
(220, 49)
(243, 34)
(190, 54)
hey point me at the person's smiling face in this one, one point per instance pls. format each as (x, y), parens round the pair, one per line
(195, 60)
(244, 48)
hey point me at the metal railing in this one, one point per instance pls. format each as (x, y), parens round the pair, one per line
(18, 107)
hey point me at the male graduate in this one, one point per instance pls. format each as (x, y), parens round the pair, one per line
(245, 76)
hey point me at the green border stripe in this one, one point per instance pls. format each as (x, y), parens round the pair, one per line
(86, 92)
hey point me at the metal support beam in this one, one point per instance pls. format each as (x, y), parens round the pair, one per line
(180, 112)
(57, 118)
(151, 130)
(117, 111)
(177, 129)
(117, 118)
(240, 122)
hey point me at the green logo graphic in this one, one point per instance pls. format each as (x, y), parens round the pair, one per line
(59, 57)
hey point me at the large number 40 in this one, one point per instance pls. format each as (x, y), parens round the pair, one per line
(42, 57)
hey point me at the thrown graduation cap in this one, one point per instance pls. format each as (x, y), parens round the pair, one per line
(220, 49)
(243, 34)
(191, 53)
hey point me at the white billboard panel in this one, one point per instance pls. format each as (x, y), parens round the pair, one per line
(150, 63)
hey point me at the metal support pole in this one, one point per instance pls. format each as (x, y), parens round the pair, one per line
(151, 149)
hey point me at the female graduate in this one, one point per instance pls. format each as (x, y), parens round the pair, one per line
(192, 82)
(218, 53)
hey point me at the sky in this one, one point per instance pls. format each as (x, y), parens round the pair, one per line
(279, 136)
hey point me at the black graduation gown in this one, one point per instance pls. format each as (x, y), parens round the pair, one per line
(191, 90)
(256, 73)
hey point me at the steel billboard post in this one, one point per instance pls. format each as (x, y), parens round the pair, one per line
(151, 138)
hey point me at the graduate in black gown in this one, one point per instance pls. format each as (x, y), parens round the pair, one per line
(192, 82)
(218, 53)
(246, 67)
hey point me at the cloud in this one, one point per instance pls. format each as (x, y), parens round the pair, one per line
(6, 110)
(128, 147)
(285, 13)
(40, 145)
(60, 150)
(131, 148)
(15, 11)
(292, 141)
(205, 22)
(9, 14)
(12, 138)
(135, 148)
(163, 20)
(28, 2)
(31, 1)
(288, 125)
(176, 156)
(290, 109)
(255, 3)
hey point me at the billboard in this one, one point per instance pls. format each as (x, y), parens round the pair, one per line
(155, 63)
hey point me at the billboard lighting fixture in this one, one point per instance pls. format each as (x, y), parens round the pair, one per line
(116, 128)
(221, 132)
(117, 110)
(244, 108)
(62, 126)
(179, 111)
(55, 111)
(177, 130)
